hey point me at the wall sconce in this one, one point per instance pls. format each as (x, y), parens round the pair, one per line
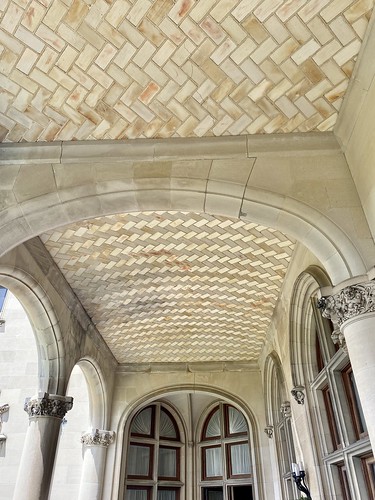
(299, 475)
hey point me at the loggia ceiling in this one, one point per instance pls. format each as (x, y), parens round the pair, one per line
(175, 287)
(124, 69)
(165, 286)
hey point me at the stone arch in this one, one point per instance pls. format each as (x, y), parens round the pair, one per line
(45, 326)
(301, 341)
(158, 394)
(324, 238)
(98, 393)
(273, 373)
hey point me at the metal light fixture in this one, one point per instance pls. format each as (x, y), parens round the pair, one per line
(299, 475)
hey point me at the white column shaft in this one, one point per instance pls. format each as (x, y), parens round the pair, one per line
(38, 456)
(92, 472)
(360, 340)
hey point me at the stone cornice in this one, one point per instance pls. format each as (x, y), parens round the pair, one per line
(349, 302)
(97, 437)
(242, 146)
(193, 367)
(48, 405)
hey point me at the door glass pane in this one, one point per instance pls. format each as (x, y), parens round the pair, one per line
(237, 422)
(167, 427)
(213, 462)
(361, 418)
(213, 428)
(240, 459)
(167, 494)
(240, 492)
(142, 423)
(139, 460)
(213, 493)
(134, 494)
(167, 462)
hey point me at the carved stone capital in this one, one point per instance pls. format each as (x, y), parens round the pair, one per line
(269, 431)
(349, 302)
(48, 405)
(97, 437)
(285, 409)
(298, 394)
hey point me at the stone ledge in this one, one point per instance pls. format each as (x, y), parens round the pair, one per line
(205, 148)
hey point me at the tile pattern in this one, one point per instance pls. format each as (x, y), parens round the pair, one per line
(122, 69)
(172, 286)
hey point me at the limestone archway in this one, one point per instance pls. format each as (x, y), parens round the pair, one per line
(98, 393)
(45, 326)
(57, 184)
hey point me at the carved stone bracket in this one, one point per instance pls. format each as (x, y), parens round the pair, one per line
(286, 410)
(350, 302)
(269, 431)
(3, 409)
(298, 394)
(97, 437)
(339, 338)
(48, 405)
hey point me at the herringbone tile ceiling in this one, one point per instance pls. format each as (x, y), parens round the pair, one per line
(175, 287)
(122, 69)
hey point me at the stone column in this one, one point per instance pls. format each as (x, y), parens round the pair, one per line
(95, 444)
(46, 412)
(353, 310)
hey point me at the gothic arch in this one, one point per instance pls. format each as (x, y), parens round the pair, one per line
(98, 393)
(45, 326)
(158, 394)
(125, 190)
(273, 374)
(301, 338)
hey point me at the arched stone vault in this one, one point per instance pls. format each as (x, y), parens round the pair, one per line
(51, 352)
(298, 185)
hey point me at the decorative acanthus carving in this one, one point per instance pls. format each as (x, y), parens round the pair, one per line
(349, 302)
(48, 405)
(285, 409)
(97, 437)
(269, 431)
(298, 394)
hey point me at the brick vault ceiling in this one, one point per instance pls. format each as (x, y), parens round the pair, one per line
(175, 287)
(121, 69)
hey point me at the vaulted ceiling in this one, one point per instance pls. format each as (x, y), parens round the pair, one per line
(170, 286)
(175, 287)
(123, 69)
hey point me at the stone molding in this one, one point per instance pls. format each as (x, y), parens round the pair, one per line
(48, 405)
(298, 394)
(97, 437)
(286, 410)
(348, 303)
(269, 431)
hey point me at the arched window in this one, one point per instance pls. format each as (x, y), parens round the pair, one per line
(226, 470)
(154, 462)
(279, 420)
(321, 365)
